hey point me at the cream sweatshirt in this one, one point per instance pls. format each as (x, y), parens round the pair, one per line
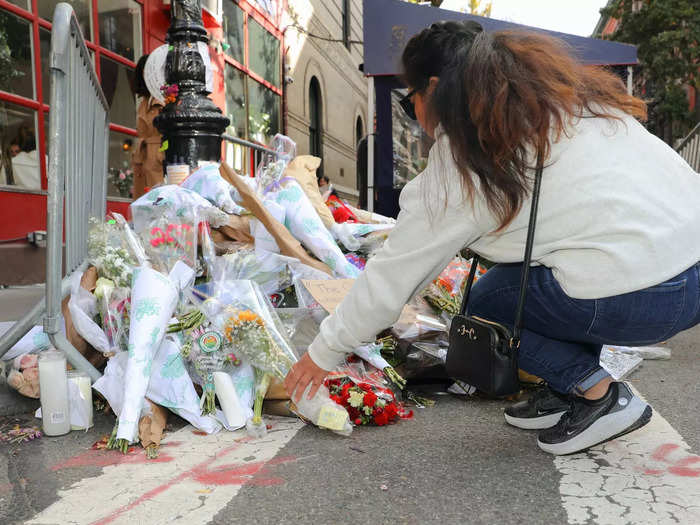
(619, 211)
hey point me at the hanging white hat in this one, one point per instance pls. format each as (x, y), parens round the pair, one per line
(154, 72)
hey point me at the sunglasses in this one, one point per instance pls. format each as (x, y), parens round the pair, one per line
(407, 105)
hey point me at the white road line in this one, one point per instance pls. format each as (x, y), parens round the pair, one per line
(195, 478)
(645, 477)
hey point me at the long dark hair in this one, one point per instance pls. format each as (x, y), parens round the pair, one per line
(502, 97)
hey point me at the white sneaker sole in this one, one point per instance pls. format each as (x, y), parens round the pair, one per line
(535, 423)
(635, 415)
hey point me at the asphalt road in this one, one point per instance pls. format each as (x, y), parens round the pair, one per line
(454, 462)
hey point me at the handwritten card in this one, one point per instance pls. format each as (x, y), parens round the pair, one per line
(328, 293)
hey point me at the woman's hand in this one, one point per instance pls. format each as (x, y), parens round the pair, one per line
(302, 374)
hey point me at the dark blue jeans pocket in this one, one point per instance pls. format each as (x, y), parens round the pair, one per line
(638, 318)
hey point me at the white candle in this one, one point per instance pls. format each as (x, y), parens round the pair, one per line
(53, 385)
(82, 381)
(228, 398)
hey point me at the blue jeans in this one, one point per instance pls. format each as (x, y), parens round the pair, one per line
(562, 337)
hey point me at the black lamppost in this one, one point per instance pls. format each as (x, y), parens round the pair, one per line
(192, 124)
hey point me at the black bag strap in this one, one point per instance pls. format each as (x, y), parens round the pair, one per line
(517, 325)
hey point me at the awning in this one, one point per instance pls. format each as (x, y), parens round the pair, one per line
(389, 24)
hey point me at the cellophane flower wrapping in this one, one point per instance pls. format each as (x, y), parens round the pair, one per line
(371, 353)
(446, 291)
(174, 203)
(154, 297)
(300, 217)
(108, 252)
(269, 270)
(207, 182)
(364, 395)
(114, 306)
(243, 312)
(168, 241)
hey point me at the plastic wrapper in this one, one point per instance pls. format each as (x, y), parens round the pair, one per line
(83, 310)
(322, 411)
(645, 352)
(270, 270)
(34, 341)
(174, 203)
(271, 169)
(168, 241)
(207, 182)
(300, 216)
(417, 322)
(364, 396)
(114, 306)
(446, 291)
(243, 313)
(23, 375)
(350, 234)
(168, 386)
(371, 353)
(109, 253)
(154, 297)
(302, 325)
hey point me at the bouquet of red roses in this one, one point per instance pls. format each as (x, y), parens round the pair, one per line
(367, 402)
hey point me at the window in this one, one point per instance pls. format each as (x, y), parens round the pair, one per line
(263, 112)
(315, 119)
(16, 67)
(234, 31)
(264, 52)
(347, 18)
(113, 39)
(252, 75)
(359, 130)
(82, 8)
(120, 27)
(19, 165)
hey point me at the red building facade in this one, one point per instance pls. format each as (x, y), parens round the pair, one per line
(246, 51)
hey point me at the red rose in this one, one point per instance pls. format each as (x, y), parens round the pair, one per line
(353, 413)
(391, 411)
(370, 399)
(345, 394)
(380, 417)
(364, 386)
(358, 421)
(337, 399)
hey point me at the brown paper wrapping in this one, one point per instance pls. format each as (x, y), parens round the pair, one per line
(96, 359)
(151, 427)
(303, 169)
(276, 391)
(288, 245)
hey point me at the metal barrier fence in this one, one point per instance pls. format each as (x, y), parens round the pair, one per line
(245, 155)
(689, 148)
(77, 183)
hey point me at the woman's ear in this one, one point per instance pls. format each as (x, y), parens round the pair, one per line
(432, 84)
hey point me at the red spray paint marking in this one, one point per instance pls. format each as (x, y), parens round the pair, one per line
(233, 474)
(106, 458)
(678, 467)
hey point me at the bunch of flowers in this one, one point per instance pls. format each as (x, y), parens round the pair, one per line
(445, 293)
(171, 243)
(248, 332)
(18, 434)
(123, 180)
(107, 254)
(367, 404)
(170, 92)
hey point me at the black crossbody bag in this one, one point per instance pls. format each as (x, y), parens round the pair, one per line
(483, 353)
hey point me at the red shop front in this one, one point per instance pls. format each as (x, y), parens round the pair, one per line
(117, 33)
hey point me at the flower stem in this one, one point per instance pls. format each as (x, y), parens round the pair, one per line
(260, 392)
(393, 376)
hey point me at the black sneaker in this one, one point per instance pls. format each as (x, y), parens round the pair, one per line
(590, 423)
(543, 409)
